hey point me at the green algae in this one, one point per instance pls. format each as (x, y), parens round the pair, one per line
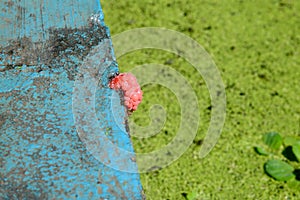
(255, 45)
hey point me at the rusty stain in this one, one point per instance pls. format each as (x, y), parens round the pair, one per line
(99, 190)
(2, 119)
(9, 3)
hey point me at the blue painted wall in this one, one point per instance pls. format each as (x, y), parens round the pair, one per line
(48, 50)
(34, 17)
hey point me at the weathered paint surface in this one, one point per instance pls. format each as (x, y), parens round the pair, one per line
(43, 45)
(34, 17)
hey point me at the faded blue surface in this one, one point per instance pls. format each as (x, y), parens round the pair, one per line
(44, 154)
(34, 17)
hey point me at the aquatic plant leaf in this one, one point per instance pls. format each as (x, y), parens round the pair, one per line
(296, 150)
(290, 141)
(261, 151)
(279, 170)
(273, 140)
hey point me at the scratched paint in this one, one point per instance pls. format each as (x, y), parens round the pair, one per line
(41, 154)
(35, 17)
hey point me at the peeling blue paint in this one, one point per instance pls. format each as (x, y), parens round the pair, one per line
(42, 46)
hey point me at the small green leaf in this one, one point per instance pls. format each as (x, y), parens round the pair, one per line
(261, 151)
(191, 196)
(279, 170)
(290, 141)
(273, 140)
(294, 184)
(296, 150)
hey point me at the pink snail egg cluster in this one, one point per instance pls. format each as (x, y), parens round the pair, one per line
(132, 92)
